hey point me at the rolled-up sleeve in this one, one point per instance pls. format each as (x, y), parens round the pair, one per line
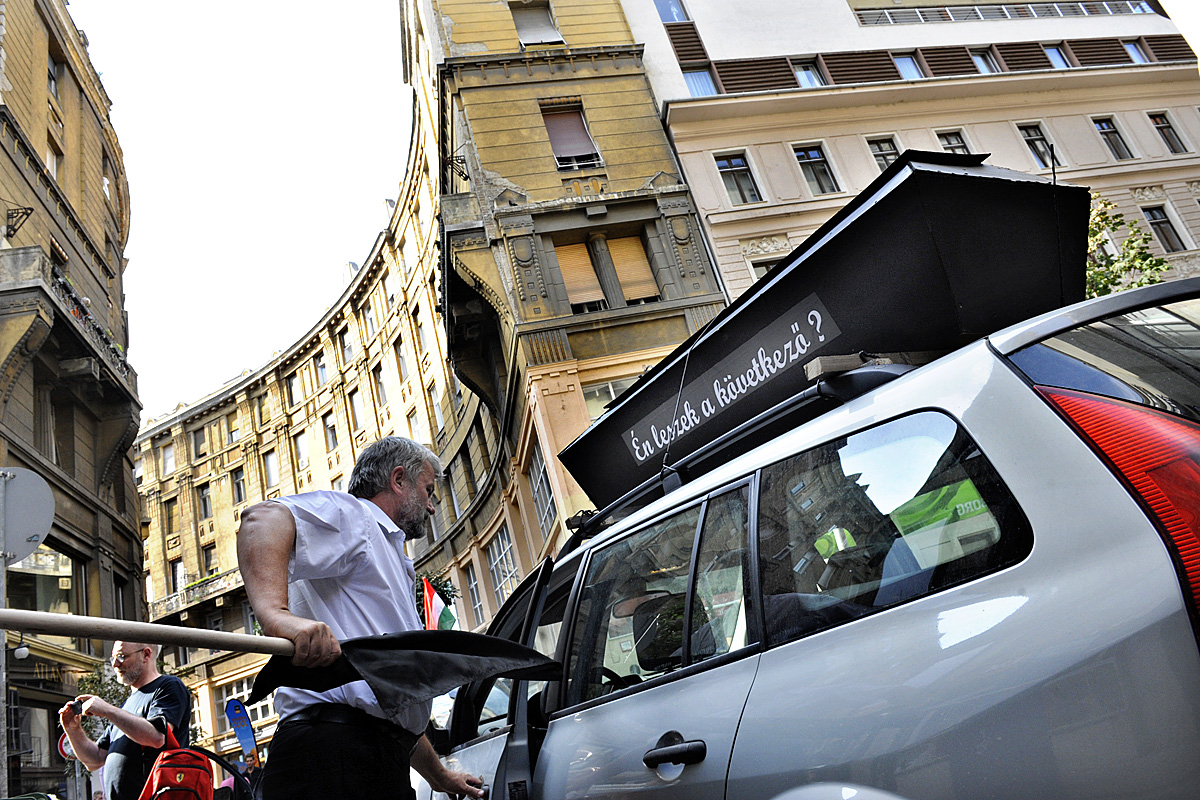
(331, 534)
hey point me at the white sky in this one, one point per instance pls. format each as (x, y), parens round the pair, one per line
(261, 138)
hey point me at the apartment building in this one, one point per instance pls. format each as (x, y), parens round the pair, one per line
(68, 397)
(783, 113)
(573, 260)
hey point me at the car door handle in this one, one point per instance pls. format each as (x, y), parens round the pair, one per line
(671, 749)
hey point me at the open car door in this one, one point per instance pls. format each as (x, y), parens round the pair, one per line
(489, 727)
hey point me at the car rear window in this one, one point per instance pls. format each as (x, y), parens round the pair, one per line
(878, 518)
(1149, 357)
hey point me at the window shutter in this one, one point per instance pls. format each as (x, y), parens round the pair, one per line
(633, 270)
(685, 39)
(756, 74)
(578, 275)
(534, 25)
(944, 61)
(1099, 52)
(568, 134)
(863, 67)
(1023, 55)
(1170, 48)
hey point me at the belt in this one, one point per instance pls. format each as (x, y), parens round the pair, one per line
(342, 714)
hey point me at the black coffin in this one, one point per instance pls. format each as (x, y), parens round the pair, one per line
(939, 251)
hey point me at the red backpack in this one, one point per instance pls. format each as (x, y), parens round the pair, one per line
(179, 774)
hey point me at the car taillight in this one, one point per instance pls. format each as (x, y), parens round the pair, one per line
(1159, 455)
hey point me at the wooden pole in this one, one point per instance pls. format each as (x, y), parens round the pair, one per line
(140, 632)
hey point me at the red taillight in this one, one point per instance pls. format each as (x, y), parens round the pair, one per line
(1159, 455)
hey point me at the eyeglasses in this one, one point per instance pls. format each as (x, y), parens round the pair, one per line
(119, 658)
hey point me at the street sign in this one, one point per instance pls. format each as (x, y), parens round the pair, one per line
(28, 512)
(64, 747)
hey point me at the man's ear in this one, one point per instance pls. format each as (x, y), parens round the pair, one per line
(398, 477)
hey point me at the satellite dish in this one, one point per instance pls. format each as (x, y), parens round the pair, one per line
(28, 512)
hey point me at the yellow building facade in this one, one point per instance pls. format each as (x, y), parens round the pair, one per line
(68, 397)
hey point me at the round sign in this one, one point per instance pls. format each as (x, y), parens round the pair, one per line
(28, 511)
(64, 747)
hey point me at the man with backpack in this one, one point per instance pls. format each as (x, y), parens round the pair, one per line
(136, 731)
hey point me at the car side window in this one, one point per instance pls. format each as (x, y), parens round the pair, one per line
(877, 518)
(639, 598)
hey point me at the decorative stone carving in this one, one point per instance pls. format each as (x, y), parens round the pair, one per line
(1194, 187)
(522, 250)
(1148, 193)
(680, 229)
(767, 245)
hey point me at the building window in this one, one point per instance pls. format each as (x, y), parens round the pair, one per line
(204, 501)
(53, 160)
(262, 403)
(138, 473)
(422, 337)
(345, 347)
(535, 25)
(412, 425)
(1039, 146)
(210, 564)
(985, 62)
(1113, 139)
(238, 481)
(738, 180)
(579, 278)
(380, 389)
(473, 594)
(884, 150)
(815, 167)
(170, 511)
(543, 492)
(300, 446)
(357, 417)
(700, 82)
(1057, 56)
(598, 395)
(53, 70)
(330, 425)
(501, 565)
(167, 453)
(1164, 229)
(908, 65)
(199, 443)
(1162, 124)
(294, 391)
(671, 10)
(953, 142)
(369, 318)
(401, 361)
(240, 690)
(569, 138)
(338, 484)
(231, 422)
(808, 74)
(389, 289)
(436, 404)
(319, 366)
(633, 270)
(178, 576)
(1136, 53)
(270, 468)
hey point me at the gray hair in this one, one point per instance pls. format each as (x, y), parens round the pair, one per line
(373, 470)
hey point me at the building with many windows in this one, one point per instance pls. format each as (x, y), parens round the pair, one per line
(782, 114)
(573, 260)
(68, 397)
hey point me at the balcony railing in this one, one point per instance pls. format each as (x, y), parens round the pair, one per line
(190, 595)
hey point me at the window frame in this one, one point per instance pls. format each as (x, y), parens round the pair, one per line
(1169, 222)
(1030, 142)
(810, 67)
(567, 161)
(531, 29)
(807, 164)
(1114, 140)
(746, 169)
(962, 137)
(1163, 128)
(883, 157)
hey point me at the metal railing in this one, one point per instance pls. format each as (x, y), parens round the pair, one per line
(218, 584)
(999, 11)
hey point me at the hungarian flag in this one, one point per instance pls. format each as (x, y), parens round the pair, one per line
(438, 616)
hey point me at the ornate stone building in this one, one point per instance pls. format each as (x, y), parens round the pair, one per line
(68, 397)
(781, 114)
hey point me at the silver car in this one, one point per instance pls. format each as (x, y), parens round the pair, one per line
(977, 580)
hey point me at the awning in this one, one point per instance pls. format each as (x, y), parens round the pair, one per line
(937, 252)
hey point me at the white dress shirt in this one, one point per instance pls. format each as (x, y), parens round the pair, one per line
(349, 570)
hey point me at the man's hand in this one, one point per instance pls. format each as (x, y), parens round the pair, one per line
(316, 646)
(94, 706)
(457, 784)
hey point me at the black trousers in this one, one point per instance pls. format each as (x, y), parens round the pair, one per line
(330, 752)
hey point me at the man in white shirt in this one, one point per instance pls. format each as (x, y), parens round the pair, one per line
(324, 567)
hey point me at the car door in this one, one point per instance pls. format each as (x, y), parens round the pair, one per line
(488, 730)
(660, 660)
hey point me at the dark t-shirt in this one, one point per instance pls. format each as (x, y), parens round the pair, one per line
(165, 699)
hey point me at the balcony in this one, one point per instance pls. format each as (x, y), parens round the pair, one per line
(196, 592)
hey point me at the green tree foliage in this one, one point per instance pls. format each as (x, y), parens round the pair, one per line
(1133, 264)
(441, 584)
